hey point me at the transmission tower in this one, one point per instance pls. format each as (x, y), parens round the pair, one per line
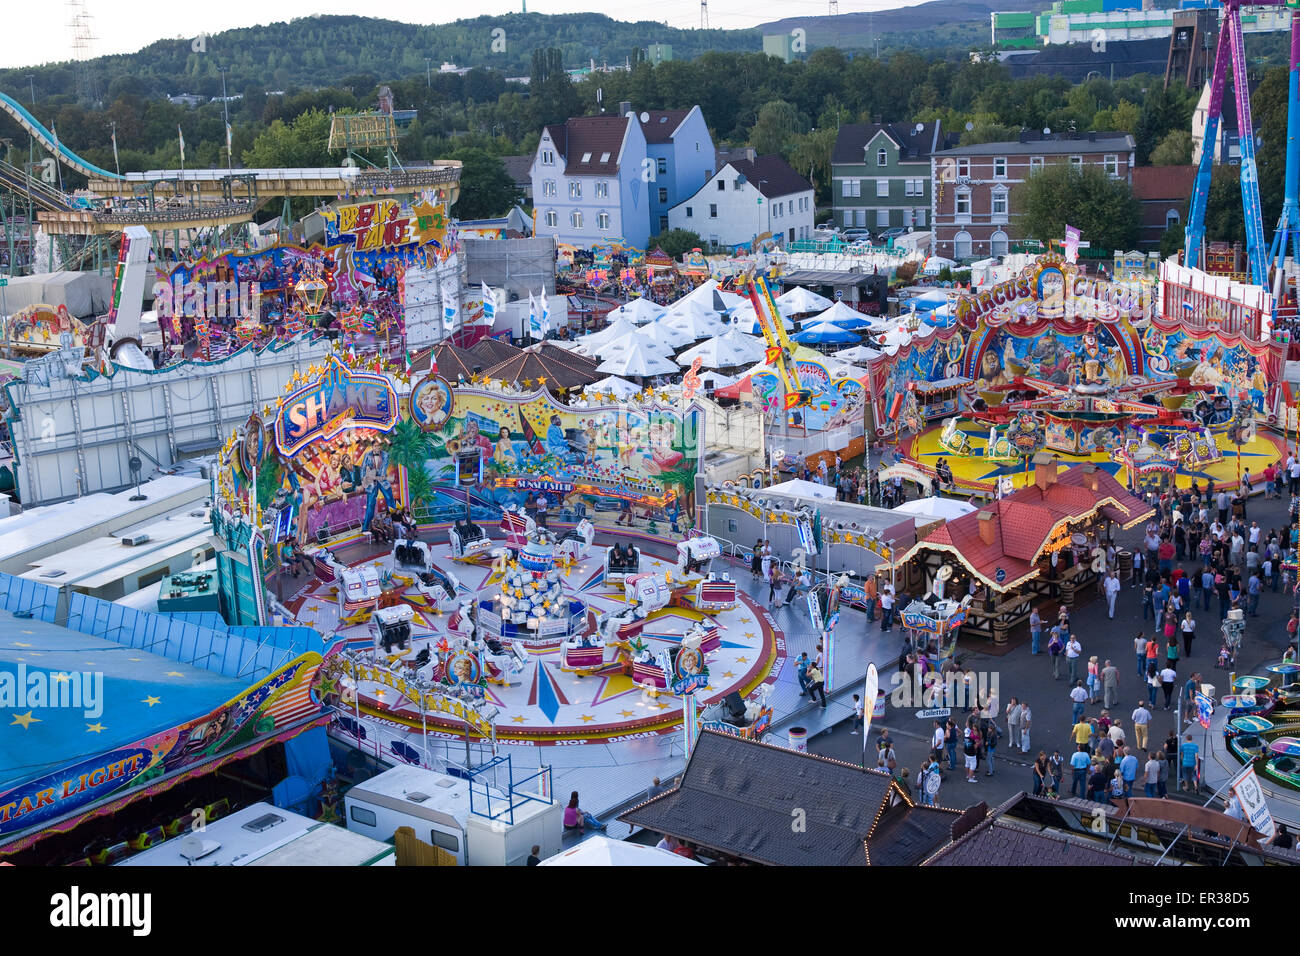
(83, 38)
(704, 14)
(835, 7)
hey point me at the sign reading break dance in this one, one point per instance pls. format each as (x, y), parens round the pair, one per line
(341, 398)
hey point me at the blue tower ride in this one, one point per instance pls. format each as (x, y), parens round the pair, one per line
(1288, 224)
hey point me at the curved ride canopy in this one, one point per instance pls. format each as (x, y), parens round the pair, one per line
(50, 142)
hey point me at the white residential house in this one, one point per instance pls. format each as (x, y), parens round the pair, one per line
(745, 200)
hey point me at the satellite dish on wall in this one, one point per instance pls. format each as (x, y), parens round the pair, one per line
(920, 127)
(969, 126)
(645, 117)
(1047, 131)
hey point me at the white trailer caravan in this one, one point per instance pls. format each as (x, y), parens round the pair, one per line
(264, 835)
(437, 807)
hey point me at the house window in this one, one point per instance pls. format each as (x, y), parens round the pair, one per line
(882, 218)
(548, 187)
(663, 223)
(1172, 218)
(848, 219)
(882, 188)
(999, 205)
(1076, 162)
(963, 202)
(575, 190)
(551, 218)
(736, 185)
(1112, 166)
(998, 244)
(602, 221)
(690, 213)
(999, 167)
(961, 245)
(713, 210)
(963, 168)
(919, 217)
(861, 218)
(663, 194)
(602, 190)
(882, 157)
(913, 187)
(548, 157)
(1035, 164)
(722, 185)
(662, 166)
(575, 218)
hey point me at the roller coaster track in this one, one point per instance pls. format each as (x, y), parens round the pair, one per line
(43, 195)
(47, 139)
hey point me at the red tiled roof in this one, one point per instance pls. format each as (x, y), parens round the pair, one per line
(1025, 520)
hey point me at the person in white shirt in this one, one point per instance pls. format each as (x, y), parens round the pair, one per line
(1112, 593)
(1254, 532)
(1117, 734)
(1293, 469)
(936, 741)
(1026, 719)
(1072, 651)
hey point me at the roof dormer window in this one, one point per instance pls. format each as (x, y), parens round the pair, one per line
(586, 157)
(604, 157)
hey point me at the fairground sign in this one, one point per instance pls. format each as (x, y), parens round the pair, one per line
(340, 399)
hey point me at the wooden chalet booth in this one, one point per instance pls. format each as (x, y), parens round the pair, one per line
(1034, 546)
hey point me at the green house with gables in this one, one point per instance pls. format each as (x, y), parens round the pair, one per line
(881, 174)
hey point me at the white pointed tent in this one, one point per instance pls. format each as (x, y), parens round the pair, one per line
(800, 300)
(726, 351)
(703, 296)
(665, 334)
(694, 321)
(613, 347)
(621, 387)
(602, 851)
(858, 354)
(638, 311)
(839, 312)
(638, 361)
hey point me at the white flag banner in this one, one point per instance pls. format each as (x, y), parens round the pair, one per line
(1245, 787)
(546, 315)
(534, 318)
(870, 691)
(489, 305)
(181, 136)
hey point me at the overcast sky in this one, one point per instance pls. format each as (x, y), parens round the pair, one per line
(38, 32)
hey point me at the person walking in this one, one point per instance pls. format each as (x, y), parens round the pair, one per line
(1151, 775)
(801, 671)
(1098, 783)
(1035, 630)
(1168, 677)
(1055, 646)
(937, 739)
(1141, 725)
(857, 714)
(1073, 649)
(950, 736)
(1188, 752)
(1013, 722)
(1109, 685)
(1112, 587)
(1140, 650)
(1079, 695)
(1079, 764)
(1040, 774)
(990, 737)
(1188, 627)
(1026, 720)
(1081, 733)
(1162, 775)
(886, 609)
(971, 747)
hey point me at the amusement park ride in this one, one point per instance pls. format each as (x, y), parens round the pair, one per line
(780, 352)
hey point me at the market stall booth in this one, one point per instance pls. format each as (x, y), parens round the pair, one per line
(1042, 543)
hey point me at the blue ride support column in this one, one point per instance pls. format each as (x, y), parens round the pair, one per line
(1256, 250)
(1288, 225)
(1194, 236)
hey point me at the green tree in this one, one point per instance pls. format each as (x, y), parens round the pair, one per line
(486, 189)
(1174, 150)
(1224, 220)
(1059, 195)
(775, 129)
(1125, 117)
(551, 93)
(675, 242)
(304, 141)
